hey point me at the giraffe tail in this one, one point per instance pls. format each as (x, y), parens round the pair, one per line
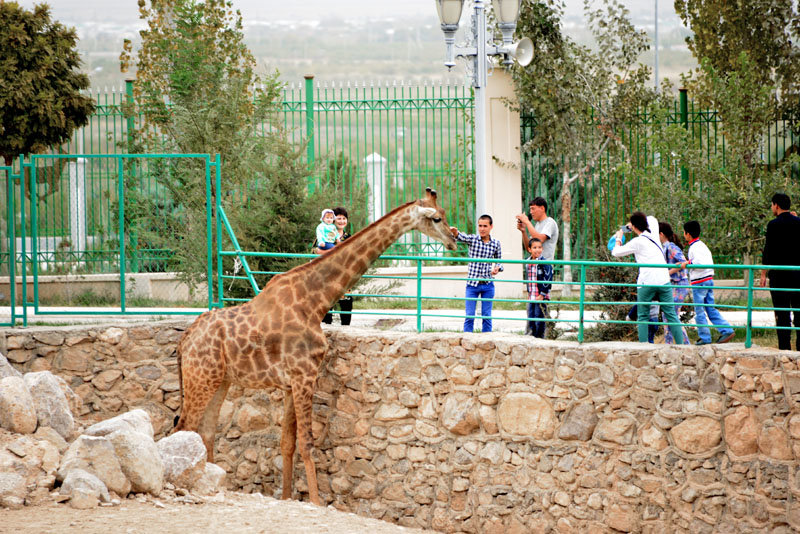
(176, 422)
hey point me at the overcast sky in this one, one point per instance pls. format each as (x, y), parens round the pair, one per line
(115, 10)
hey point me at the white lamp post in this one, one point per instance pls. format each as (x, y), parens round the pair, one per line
(506, 12)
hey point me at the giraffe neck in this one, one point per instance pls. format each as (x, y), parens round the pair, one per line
(328, 277)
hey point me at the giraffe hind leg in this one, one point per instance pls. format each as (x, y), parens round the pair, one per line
(303, 399)
(202, 398)
(208, 423)
(288, 443)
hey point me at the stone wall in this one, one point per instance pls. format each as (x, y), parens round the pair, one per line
(489, 433)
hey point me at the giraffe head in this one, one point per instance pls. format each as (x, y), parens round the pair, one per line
(432, 221)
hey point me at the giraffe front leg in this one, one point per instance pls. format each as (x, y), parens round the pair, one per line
(288, 443)
(303, 398)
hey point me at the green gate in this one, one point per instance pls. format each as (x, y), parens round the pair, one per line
(70, 217)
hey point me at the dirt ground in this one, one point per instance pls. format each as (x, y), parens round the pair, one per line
(223, 514)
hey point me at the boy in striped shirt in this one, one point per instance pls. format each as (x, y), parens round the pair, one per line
(702, 282)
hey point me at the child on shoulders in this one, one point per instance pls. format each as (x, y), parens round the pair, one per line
(326, 230)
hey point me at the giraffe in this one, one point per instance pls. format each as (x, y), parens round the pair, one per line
(276, 340)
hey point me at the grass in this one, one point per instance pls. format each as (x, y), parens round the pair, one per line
(91, 299)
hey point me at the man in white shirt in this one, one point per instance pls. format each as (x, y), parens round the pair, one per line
(653, 282)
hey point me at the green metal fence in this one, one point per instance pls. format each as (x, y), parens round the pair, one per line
(604, 200)
(394, 137)
(94, 227)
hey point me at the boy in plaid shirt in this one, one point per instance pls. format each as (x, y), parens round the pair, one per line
(538, 274)
(480, 284)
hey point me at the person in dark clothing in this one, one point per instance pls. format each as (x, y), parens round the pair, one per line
(780, 249)
(346, 302)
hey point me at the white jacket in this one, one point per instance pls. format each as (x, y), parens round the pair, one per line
(646, 249)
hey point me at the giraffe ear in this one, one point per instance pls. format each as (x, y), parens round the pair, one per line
(430, 213)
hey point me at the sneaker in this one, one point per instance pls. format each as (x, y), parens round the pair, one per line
(701, 342)
(724, 338)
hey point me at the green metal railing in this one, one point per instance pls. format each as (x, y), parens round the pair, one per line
(579, 314)
(99, 240)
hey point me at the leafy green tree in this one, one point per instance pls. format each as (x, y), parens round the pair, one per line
(766, 30)
(198, 92)
(728, 193)
(40, 95)
(580, 96)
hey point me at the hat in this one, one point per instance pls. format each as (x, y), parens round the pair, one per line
(326, 210)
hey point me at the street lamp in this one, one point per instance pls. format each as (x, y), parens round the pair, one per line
(506, 13)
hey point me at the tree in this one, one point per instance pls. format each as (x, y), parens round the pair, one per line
(198, 92)
(40, 94)
(728, 193)
(580, 96)
(766, 30)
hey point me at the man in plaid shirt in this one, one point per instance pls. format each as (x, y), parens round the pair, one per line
(480, 284)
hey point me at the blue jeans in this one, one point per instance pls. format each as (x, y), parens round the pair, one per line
(483, 291)
(703, 293)
(536, 310)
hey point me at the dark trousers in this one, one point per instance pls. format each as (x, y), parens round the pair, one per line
(346, 305)
(786, 299)
(536, 310)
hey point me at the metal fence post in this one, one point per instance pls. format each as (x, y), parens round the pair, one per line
(130, 122)
(684, 103)
(310, 118)
(582, 301)
(419, 295)
(748, 342)
(121, 229)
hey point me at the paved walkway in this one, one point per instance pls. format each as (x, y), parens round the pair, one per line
(399, 319)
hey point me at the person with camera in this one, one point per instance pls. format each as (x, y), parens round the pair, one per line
(653, 283)
(545, 228)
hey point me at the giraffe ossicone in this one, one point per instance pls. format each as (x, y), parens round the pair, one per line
(276, 340)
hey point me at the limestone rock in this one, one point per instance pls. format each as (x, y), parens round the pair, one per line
(139, 459)
(45, 433)
(391, 412)
(211, 481)
(136, 420)
(653, 437)
(106, 379)
(84, 485)
(741, 431)
(526, 414)
(183, 456)
(13, 489)
(697, 435)
(96, 455)
(17, 413)
(73, 399)
(6, 368)
(794, 426)
(616, 430)
(620, 518)
(579, 424)
(774, 442)
(50, 403)
(459, 414)
(112, 335)
(251, 418)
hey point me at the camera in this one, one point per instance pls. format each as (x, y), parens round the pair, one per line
(626, 229)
